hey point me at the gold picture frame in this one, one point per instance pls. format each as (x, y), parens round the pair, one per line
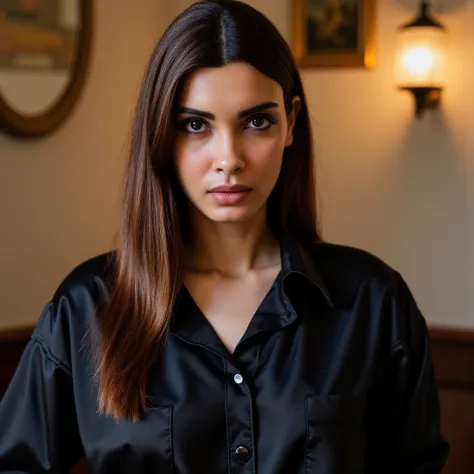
(334, 33)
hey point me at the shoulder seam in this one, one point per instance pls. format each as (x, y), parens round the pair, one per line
(47, 352)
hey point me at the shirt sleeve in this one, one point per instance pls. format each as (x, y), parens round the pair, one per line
(406, 435)
(38, 426)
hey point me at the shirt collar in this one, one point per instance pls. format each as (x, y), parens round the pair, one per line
(275, 312)
(297, 260)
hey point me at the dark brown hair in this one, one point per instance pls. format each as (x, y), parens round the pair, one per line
(133, 324)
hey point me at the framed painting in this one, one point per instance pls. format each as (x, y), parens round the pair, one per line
(334, 33)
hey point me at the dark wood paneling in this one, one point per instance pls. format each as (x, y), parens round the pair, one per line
(453, 358)
(457, 419)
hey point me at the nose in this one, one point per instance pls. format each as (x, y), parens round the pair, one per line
(228, 156)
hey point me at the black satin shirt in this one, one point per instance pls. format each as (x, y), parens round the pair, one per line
(333, 376)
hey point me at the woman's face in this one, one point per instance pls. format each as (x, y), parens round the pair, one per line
(232, 131)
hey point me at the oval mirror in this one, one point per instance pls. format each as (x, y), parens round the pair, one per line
(44, 55)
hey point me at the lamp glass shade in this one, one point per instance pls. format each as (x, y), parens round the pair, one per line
(421, 57)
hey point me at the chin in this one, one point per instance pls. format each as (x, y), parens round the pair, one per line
(234, 214)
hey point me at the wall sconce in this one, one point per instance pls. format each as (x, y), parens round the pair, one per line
(420, 60)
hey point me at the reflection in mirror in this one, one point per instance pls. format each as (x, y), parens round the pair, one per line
(41, 44)
(38, 44)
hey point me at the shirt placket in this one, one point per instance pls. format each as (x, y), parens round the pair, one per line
(239, 419)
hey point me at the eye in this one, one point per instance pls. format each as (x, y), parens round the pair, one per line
(192, 125)
(261, 122)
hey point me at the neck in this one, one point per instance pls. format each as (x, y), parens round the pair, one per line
(231, 249)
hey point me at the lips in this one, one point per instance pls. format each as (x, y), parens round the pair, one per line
(235, 188)
(229, 195)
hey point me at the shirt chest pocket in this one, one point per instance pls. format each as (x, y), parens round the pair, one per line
(334, 435)
(142, 447)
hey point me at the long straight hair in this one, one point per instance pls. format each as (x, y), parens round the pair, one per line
(134, 322)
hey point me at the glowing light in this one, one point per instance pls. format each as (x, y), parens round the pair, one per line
(418, 60)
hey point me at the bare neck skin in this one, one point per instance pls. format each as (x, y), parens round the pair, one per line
(231, 250)
(229, 267)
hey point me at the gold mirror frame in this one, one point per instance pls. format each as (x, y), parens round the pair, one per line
(22, 126)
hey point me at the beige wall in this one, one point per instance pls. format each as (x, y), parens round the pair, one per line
(58, 196)
(398, 187)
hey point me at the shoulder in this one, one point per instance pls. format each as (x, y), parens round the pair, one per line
(91, 276)
(345, 268)
(358, 280)
(70, 314)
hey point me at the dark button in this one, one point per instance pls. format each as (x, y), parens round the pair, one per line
(241, 454)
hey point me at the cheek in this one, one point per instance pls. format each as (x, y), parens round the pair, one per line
(189, 167)
(267, 156)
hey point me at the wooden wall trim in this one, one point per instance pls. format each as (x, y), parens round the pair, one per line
(17, 334)
(453, 356)
(451, 334)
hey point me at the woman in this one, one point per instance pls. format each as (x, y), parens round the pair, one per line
(222, 335)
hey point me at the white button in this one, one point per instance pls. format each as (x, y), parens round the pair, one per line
(238, 379)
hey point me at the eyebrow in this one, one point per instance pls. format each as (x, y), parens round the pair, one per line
(242, 113)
